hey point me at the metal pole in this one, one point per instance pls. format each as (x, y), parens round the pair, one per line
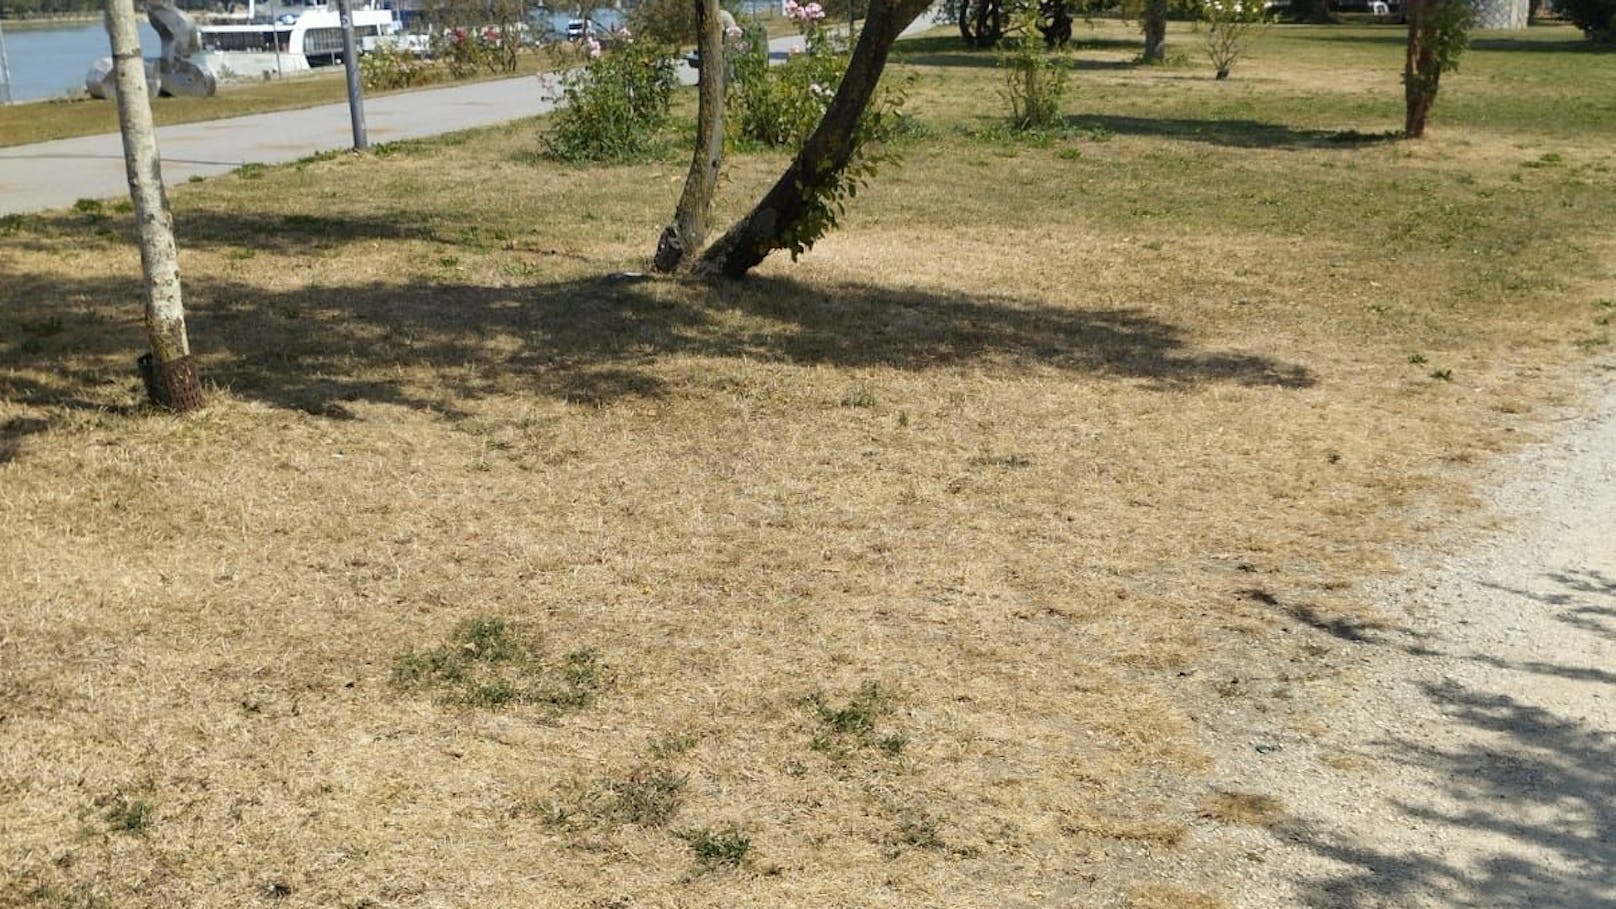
(350, 62)
(274, 35)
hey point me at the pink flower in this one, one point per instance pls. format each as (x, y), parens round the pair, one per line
(593, 47)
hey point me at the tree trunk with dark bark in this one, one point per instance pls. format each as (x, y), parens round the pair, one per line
(1418, 62)
(170, 373)
(1155, 31)
(788, 204)
(689, 228)
(1316, 12)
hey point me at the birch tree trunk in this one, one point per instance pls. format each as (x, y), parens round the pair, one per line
(827, 152)
(689, 228)
(169, 370)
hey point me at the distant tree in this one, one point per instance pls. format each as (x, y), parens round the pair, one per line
(1596, 18)
(170, 371)
(1438, 33)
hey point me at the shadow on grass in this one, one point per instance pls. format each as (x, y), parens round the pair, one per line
(432, 344)
(1526, 790)
(1399, 36)
(953, 52)
(1234, 133)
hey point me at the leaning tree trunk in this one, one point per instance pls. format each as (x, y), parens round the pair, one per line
(1155, 31)
(689, 228)
(786, 206)
(1420, 71)
(169, 370)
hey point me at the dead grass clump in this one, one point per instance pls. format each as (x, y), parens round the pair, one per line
(1249, 808)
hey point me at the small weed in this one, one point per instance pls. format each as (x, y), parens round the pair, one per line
(194, 178)
(649, 796)
(88, 206)
(858, 396)
(857, 716)
(1416, 359)
(241, 255)
(490, 664)
(1445, 375)
(918, 829)
(1069, 153)
(251, 170)
(1008, 460)
(448, 261)
(486, 639)
(893, 744)
(123, 207)
(714, 849)
(671, 746)
(130, 816)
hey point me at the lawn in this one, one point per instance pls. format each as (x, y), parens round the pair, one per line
(958, 564)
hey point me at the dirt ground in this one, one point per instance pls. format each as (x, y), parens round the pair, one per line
(1478, 736)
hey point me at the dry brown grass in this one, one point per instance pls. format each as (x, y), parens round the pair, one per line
(1250, 808)
(1015, 447)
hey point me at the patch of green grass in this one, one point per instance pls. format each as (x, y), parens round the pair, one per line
(648, 796)
(132, 816)
(490, 664)
(725, 847)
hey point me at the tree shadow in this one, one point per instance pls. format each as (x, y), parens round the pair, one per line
(951, 51)
(1585, 599)
(1397, 35)
(1233, 133)
(1536, 790)
(1527, 793)
(430, 345)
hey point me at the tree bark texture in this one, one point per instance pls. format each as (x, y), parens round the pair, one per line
(1155, 31)
(1419, 61)
(689, 228)
(174, 382)
(825, 154)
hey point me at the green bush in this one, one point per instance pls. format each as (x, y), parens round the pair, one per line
(615, 105)
(387, 68)
(1596, 18)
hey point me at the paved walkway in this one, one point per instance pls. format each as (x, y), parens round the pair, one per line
(50, 175)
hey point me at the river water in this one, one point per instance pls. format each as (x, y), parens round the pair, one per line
(50, 62)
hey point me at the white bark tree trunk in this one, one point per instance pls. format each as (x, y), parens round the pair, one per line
(171, 377)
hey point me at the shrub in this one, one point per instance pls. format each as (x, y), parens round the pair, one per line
(1231, 25)
(1035, 79)
(387, 68)
(1596, 18)
(615, 104)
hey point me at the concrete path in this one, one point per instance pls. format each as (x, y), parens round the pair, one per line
(50, 175)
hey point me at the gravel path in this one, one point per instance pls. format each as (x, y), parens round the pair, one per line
(1472, 759)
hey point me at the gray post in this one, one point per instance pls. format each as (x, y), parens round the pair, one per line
(350, 62)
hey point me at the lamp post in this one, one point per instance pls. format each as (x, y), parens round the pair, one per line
(350, 63)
